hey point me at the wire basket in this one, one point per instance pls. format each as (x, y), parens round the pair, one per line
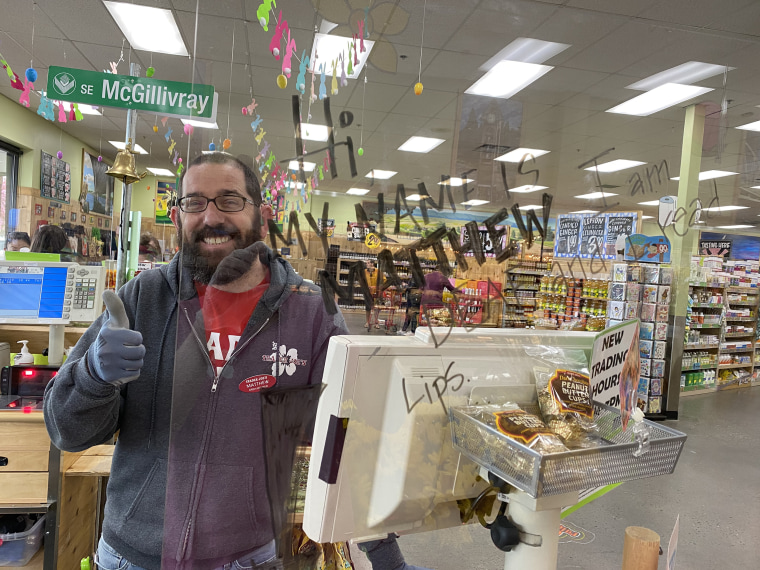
(557, 473)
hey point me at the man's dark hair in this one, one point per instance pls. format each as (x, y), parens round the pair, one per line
(49, 239)
(251, 182)
(20, 236)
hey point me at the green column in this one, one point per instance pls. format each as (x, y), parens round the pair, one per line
(683, 241)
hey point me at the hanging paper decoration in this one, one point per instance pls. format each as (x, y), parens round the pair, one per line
(255, 123)
(260, 136)
(302, 67)
(350, 61)
(252, 107)
(356, 58)
(334, 82)
(46, 109)
(114, 67)
(24, 99)
(189, 129)
(150, 71)
(168, 134)
(163, 121)
(59, 154)
(171, 147)
(322, 88)
(31, 74)
(227, 143)
(343, 78)
(279, 32)
(290, 47)
(61, 113)
(282, 81)
(176, 157)
(313, 95)
(262, 13)
(212, 147)
(360, 23)
(15, 81)
(418, 88)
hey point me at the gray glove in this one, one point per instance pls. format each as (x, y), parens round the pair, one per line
(116, 356)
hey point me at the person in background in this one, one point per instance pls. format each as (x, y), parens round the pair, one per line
(371, 275)
(18, 241)
(150, 248)
(50, 239)
(435, 284)
(413, 298)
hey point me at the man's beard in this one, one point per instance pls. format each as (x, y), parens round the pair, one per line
(201, 264)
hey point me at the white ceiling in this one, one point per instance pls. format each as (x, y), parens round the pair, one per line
(613, 43)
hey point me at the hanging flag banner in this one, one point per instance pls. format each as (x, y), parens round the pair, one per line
(127, 92)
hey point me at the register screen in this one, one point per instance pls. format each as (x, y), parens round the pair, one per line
(32, 292)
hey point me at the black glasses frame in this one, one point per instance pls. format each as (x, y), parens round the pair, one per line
(182, 200)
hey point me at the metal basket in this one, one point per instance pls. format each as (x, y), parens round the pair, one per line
(556, 473)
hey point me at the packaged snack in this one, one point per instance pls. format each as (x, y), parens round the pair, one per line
(663, 294)
(616, 310)
(648, 312)
(655, 387)
(646, 331)
(562, 385)
(650, 274)
(662, 313)
(619, 272)
(660, 349)
(633, 292)
(660, 331)
(645, 348)
(646, 366)
(658, 368)
(642, 394)
(632, 310)
(666, 275)
(655, 405)
(616, 291)
(650, 293)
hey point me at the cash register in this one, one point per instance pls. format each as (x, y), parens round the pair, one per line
(44, 293)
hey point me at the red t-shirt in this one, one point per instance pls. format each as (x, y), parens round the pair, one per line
(226, 316)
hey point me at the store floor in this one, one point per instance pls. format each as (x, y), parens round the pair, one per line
(715, 489)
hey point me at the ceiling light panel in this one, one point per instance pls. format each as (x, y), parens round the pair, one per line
(162, 172)
(311, 132)
(658, 99)
(328, 48)
(750, 126)
(200, 124)
(474, 202)
(147, 28)
(531, 207)
(724, 208)
(420, 144)
(585, 212)
(357, 191)
(380, 174)
(527, 188)
(135, 147)
(307, 166)
(507, 78)
(519, 153)
(594, 195)
(684, 74)
(453, 181)
(710, 174)
(527, 50)
(615, 165)
(735, 227)
(650, 203)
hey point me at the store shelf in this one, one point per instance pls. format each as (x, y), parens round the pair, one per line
(595, 298)
(700, 367)
(707, 306)
(742, 319)
(697, 390)
(730, 366)
(708, 285)
(735, 289)
(698, 326)
(736, 350)
(699, 346)
(737, 335)
(527, 272)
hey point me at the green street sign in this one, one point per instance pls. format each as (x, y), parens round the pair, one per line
(141, 93)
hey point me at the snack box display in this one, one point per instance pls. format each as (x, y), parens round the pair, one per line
(650, 274)
(649, 294)
(616, 291)
(616, 310)
(619, 272)
(632, 310)
(645, 366)
(660, 331)
(646, 331)
(660, 349)
(654, 405)
(655, 387)
(648, 311)
(663, 294)
(645, 348)
(666, 275)
(662, 313)
(633, 292)
(658, 369)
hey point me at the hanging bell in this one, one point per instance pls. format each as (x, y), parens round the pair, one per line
(124, 166)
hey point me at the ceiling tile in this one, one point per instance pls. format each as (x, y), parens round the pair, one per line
(425, 105)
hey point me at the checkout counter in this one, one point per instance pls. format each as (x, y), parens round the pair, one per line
(49, 304)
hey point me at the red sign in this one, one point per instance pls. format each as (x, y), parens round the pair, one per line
(256, 383)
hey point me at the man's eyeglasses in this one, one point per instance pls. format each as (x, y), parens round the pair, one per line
(197, 204)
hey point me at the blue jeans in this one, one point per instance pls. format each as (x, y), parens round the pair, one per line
(263, 558)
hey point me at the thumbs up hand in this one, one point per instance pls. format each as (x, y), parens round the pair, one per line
(116, 357)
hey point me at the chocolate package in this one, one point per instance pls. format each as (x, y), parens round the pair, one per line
(648, 311)
(646, 331)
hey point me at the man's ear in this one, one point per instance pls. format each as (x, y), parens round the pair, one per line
(174, 215)
(267, 213)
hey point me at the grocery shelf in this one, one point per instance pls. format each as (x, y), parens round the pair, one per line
(742, 319)
(737, 289)
(704, 285)
(700, 346)
(696, 390)
(729, 366)
(702, 367)
(732, 350)
(739, 334)
(743, 303)
(527, 272)
(707, 326)
(707, 306)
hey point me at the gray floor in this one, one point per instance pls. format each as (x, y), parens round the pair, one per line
(715, 489)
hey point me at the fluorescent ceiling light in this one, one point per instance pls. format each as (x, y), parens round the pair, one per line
(519, 153)
(414, 197)
(147, 28)
(658, 99)
(296, 185)
(314, 132)
(327, 48)
(357, 191)
(531, 207)
(647, 217)
(474, 202)
(380, 174)
(83, 107)
(307, 166)
(135, 147)
(585, 212)
(420, 144)
(594, 195)
(735, 227)
(527, 188)
(650, 203)
(750, 126)
(527, 50)
(615, 165)
(507, 78)
(724, 208)
(200, 124)
(162, 172)
(326, 193)
(453, 181)
(684, 74)
(710, 174)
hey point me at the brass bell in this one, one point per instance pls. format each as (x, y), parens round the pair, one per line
(124, 166)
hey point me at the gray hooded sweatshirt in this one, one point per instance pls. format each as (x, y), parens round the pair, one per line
(201, 469)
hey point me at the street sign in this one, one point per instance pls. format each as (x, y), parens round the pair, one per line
(127, 92)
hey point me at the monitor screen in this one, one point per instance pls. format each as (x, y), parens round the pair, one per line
(35, 293)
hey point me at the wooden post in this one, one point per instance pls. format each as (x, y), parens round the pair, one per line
(640, 549)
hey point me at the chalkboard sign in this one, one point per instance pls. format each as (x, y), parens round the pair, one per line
(485, 239)
(592, 236)
(589, 236)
